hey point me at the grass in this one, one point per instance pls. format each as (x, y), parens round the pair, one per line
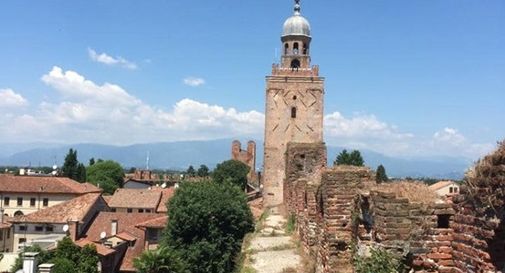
(291, 224)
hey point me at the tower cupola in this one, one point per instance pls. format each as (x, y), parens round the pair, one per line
(296, 41)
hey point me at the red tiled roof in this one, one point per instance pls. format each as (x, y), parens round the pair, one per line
(101, 249)
(166, 194)
(36, 184)
(135, 198)
(126, 222)
(159, 222)
(74, 209)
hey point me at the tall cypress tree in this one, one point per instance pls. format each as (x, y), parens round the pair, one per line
(380, 175)
(70, 165)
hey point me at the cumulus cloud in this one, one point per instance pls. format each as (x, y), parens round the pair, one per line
(194, 81)
(9, 98)
(106, 59)
(451, 141)
(107, 113)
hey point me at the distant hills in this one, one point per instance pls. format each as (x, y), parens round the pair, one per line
(179, 155)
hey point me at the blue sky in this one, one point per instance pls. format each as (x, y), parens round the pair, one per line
(410, 78)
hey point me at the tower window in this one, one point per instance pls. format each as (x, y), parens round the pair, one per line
(293, 112)
(295, 48)
(286, 48)
(304, 49)
(295, 64)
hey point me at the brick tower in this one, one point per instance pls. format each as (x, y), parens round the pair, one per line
(294, 104)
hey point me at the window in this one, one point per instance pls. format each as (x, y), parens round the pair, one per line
(450, 190)
(295, 64)
(20, 201)
(2, 235)
(18, 213)
(22, 228)
(22, 240)
(129, 210)
(141, 211)
(32, 202)
(286, 48)
(39, 228)
(456, 189)
(293, 112)
(6, 201)
(49, 228)
(295, 48)
(152, 235)
(305, 49)
(113, 209)
(443, 221)
(148, 211)
(45, 202)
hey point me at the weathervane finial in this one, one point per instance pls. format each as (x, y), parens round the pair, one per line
(297, 7)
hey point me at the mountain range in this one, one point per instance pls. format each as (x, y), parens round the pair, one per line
(179, 155)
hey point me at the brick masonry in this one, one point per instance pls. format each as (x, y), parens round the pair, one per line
(338, 207)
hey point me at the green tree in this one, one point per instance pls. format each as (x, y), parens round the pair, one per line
(380, 175)
(88, 260)
(92, 161)
(161, 260)
(69, 168)
(203, 171)
(108, 175)
(191, 171)
(81, 173)
(208, 222)
(231, 171)
(345, 158)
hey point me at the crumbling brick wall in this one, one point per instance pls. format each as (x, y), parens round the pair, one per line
(479, 239)
(247, 157)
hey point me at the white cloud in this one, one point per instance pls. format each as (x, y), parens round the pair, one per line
(450, 141)
(104, 58)
(9, 98)
(107, 113)
(194, 81)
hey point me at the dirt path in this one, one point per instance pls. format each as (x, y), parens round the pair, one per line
(271, 250)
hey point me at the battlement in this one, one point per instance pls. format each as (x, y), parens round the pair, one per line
(278, 70)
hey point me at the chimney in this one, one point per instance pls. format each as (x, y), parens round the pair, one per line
(46, 268)
(113, 227)
(30, 262)
(73, 230)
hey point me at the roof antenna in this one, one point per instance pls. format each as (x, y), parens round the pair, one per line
(147, 161)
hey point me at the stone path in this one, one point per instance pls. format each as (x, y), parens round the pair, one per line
(271, 250)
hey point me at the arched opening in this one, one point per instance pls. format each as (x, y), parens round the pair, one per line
(286, 48)
(293, 112)
(295, 48)
(18, 213)
(295, 64)
(305, 49)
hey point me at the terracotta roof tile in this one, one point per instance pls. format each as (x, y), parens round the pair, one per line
(35, 184)
(135, 198)
(159, 222)
(126, 222)
(166, 194)
(101, 249)
(74, 209)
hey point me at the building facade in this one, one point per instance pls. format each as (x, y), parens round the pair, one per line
(294, 104)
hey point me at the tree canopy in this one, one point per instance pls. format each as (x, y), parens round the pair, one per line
(191, 171)
(72, 168)
(67, 257)
(203, 171)
(345, 158)
(231, 171)
(380, 175)
(107, 174)
(207, 224)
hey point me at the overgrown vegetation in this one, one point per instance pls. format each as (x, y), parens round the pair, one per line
(208, 222)
(379, 261)
(291, 224)
(67, 258)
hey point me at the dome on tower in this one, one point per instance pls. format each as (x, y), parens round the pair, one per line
(296, 25)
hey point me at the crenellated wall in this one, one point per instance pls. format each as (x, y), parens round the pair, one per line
(340, 207)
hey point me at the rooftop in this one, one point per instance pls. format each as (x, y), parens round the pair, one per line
(37, 184)
(75, 209)
(135, 198)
